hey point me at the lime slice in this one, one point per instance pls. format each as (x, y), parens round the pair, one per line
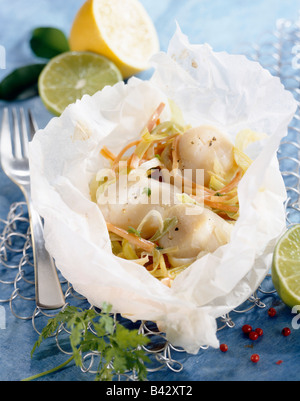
(286, 267)
(71, 75)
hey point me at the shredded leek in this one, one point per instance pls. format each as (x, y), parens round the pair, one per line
(185, 198)
(152, 215)
(176, 113)
(163, 131)
(175, 271)
(116, 247)
(246, 136)
(128, 251)
(168, 224)
(142, 148)
(241, 159)
(216, 182)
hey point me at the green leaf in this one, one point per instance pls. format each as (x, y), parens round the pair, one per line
(104, 374)
(106, 308)
(93, 343)
(47, 42)
(108, 324)
(47, 331)
(21, 83)
(120, 348)
(132, 230)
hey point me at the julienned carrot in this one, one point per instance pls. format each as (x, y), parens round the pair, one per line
(188, 183)
(210, 202)
(155, 116)
(133, 160)
(133, 239)
(222, 198)
(139, 153)
(221, 206)
(105, 152)
(225, 216)
(158, 147)
(123, 151)
(233, 183)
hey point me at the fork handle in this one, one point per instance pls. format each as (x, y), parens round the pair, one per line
(48, 290)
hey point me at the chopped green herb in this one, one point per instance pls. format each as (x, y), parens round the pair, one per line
(132, 230)
(120, 349)
(147, 191)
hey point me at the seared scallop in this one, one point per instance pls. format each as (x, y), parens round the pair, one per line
(135, 201)
(205, 148)
(198, 230)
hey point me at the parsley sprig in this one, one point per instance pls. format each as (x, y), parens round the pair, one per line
(120, 349)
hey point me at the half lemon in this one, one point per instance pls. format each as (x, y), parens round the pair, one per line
(120, 30)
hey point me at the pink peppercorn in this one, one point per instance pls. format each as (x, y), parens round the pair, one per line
(259, 331)
(255, 358)
(247, 329)
(272, 312)
(253, 336)
(224, 347)
(286, 332)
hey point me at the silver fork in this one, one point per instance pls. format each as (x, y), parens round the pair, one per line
(15, 164)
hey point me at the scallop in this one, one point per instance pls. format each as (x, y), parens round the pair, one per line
(135, 202)
(198, 230)
(205, 148)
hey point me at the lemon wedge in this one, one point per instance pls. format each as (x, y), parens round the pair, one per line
(120, 30)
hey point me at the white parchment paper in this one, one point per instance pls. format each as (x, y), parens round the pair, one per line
(227, 91)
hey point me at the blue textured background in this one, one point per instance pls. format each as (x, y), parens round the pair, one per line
(225, 25)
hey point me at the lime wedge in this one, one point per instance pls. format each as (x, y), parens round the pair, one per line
(286, 267)
(71, 75)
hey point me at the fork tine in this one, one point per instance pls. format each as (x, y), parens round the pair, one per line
(16, 135)
(5, 137)
(32, 124)
(24, 133)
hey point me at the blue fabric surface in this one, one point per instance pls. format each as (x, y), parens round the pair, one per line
(225, 25)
